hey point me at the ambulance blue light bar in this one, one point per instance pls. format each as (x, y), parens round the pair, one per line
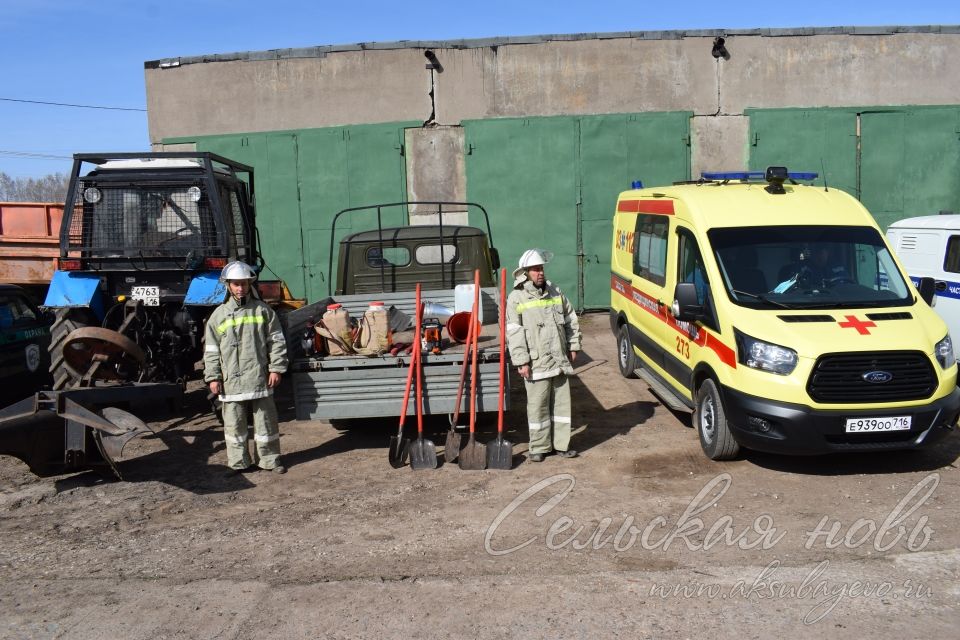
(754, 175)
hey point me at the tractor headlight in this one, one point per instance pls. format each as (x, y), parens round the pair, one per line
(194, 194)
(765, 356)
(92, 195)
(944, 352)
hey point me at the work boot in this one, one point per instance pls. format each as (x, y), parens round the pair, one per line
(570, 453)
(232, 473)
(536, 457)
(279, 469)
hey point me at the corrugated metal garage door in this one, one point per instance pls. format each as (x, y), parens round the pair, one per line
(553, 183)
(615, 150)
(899, 161)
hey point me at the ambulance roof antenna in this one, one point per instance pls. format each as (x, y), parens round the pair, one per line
(823, 171)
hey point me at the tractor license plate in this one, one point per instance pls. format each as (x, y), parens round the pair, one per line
(868, 425)
(149, 295)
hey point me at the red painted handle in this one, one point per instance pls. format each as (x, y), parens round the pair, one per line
(419, 365)
(503, 347)
(473, 369)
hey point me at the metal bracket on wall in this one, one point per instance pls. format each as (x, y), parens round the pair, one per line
(399, 147)
(756, 139)
(470, 148)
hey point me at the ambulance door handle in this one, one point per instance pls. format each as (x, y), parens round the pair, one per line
(940, 286)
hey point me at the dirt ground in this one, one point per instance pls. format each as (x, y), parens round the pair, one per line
(640, 537)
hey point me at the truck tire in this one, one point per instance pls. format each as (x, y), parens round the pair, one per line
(626, 358)
(710, 419)
(67, 320)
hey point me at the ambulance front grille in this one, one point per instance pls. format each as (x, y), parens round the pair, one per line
(839, 377)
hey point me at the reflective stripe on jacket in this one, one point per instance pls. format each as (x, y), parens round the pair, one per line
(242, 345)
(542, 330)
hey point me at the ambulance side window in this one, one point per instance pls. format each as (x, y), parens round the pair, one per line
(650, 248)
(690, 268)
(951, 262)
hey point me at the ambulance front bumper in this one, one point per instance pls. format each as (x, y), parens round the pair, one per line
(779, 427)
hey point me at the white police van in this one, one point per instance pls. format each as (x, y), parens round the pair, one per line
(929, 246)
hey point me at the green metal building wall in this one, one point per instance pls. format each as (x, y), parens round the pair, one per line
(549, 182)
(899, 161)
(303, 178)
(553, 183)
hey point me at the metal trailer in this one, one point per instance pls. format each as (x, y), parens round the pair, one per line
(345, 387)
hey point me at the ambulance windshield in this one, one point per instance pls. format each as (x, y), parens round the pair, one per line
(816, 267)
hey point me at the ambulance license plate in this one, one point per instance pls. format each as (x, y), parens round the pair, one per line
(869, 425)
(149, 295)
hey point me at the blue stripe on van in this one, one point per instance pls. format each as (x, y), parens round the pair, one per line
(952, 290)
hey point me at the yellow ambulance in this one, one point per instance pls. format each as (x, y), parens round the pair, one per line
(776, 311)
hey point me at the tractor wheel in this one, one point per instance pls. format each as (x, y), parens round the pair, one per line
(67, 320)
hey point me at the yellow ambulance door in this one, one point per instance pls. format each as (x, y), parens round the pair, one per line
(650, 298)
(692, 342)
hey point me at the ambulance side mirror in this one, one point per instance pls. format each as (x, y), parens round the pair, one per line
(927, 289)
(686, 307)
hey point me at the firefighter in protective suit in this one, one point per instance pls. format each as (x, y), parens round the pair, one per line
(244, 357)
(543, 335)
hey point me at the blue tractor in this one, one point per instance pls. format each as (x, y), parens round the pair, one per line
(143, 240)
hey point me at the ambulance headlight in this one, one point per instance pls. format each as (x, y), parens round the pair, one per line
(944, 352)
(765, 356)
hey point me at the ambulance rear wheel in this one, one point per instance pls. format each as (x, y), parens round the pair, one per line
(710, 419)
(626, 358)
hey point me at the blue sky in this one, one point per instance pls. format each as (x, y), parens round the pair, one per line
(91, 52)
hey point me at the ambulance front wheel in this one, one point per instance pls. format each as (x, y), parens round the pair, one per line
(626, 358)
(711, 422)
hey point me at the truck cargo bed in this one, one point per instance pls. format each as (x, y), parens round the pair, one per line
(338, 387)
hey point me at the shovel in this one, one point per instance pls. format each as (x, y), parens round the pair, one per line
(500, 451)
(473, 457)
(451, 448)
(400, 446)
(423, 453)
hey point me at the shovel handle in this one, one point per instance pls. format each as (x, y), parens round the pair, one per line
(473, 368)
(406, 395)
(419, 365)
(464, 366)
(503, 348)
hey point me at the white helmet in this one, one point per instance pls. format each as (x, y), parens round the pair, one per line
(532, 258)
(237, 270)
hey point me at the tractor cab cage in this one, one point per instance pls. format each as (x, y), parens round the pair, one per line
(382, 238)
(159, 206)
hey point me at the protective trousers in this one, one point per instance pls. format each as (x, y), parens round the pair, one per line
(548, 406)
(266, 433)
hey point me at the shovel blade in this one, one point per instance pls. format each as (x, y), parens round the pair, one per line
(473, 457)
(399, 450)
(500, 454)
(423, 454)
(451, 448)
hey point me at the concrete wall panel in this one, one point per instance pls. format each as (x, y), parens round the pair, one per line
(575, 75)
(718, 143)
(363, 87)
(839, 70)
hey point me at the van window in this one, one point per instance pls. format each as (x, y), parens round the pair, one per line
(952, 261)
(690, 268)
(808, 267)
(650, 248)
